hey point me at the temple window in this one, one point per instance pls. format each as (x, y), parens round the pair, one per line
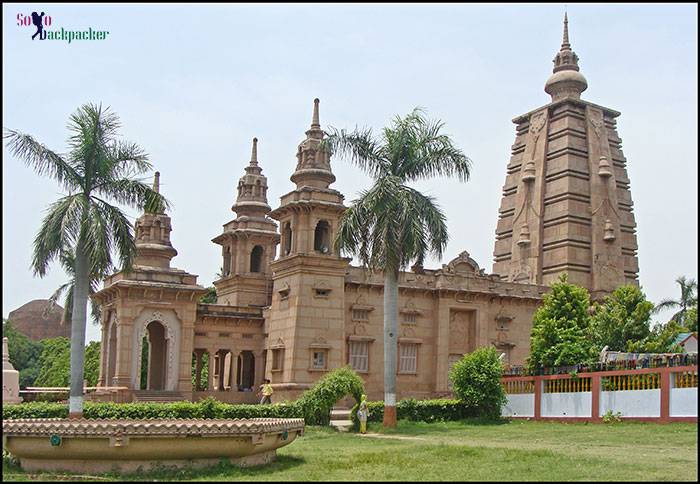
(227, 261)
(286, 239)
(358, 355)
(319, 359)
(322, 237)
(408, 356)
(256, 259)
(277, 359)
(360, 315)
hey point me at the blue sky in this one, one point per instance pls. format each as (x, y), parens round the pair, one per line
(193, 84)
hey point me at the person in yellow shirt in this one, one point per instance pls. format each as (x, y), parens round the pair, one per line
(362, 414)
(266, 391)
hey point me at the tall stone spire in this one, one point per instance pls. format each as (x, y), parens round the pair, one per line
(153, 246)
(252, 189)
(313, 163)
(567, 206)
(566, 80)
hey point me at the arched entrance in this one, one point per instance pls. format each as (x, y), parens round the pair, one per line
(245, 379)
(155, 357)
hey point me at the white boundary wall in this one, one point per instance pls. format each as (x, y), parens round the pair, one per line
(631, 403)
(684, 402)
(566, 404)
(519, 405)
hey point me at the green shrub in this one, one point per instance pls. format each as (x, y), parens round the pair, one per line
(439, 410)
(476, 381)
(317, 402)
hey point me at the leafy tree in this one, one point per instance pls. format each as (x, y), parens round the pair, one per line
(688, 299)
(691, 319)
(661, 339)
(560, 328)
(98, 168)
(24, 354)
(55, 363)
(392, 224)
(621, 319)
(476, 381)
(210, 296)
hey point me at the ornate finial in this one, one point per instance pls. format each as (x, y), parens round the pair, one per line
(315, 120)
(566, 80)
(254, 153)
(156, 183)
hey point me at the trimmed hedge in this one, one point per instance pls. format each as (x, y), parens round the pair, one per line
(314, 405)
(205, 409)
(439, 410)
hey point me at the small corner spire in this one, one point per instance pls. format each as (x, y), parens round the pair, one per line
(254, 153)
(156, 183)
(315, 123)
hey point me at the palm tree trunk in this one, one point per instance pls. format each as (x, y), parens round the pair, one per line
(391, 294)
(77, 343)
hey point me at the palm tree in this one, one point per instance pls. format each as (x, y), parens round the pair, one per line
(83, 223)
(392, 224)
(688, 299)
(67, 259)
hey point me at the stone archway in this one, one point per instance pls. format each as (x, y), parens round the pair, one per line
(245, 378)
(111, 352)
(165, 354)
(157, 356)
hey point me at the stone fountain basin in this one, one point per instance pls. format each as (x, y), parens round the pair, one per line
(135, 445)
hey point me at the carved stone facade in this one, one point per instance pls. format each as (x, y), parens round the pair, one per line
(293, 316)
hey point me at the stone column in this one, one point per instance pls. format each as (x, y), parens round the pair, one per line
(198, 370)
(122, 373)
(210, 372)
(442, 349)
(104, 351)
(259, 370)
(234, 371)
(10, 378)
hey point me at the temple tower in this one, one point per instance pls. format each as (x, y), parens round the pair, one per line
(152, 307)
(566, 205)
(248, 243)
(305, 324)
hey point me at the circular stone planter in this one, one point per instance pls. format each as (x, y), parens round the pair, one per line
(135, 445)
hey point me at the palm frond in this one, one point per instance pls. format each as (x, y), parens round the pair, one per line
(60, 228)
(42, 160)
(361, 148)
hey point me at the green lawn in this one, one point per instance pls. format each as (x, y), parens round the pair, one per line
(467, 451)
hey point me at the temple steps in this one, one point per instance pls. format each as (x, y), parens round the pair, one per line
(158, 396)
(340, 419)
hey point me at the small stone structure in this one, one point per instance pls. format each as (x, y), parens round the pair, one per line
(141, 445)
(10, 378)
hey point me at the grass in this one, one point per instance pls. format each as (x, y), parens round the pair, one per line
(516, 450)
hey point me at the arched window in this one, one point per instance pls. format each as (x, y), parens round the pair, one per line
(256, 259)
(286, 239)
(227, 261)
(322, 237)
